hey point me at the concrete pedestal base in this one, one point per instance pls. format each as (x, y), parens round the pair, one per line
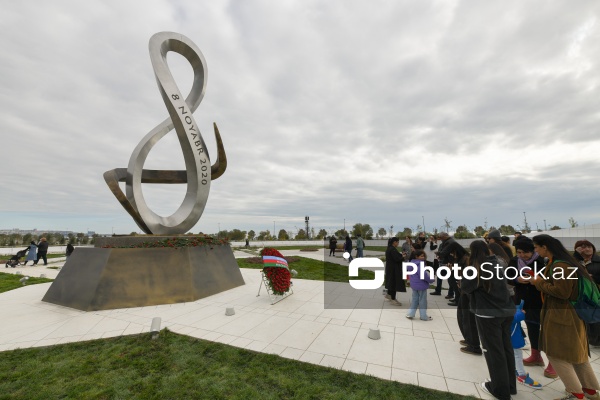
(103, 279)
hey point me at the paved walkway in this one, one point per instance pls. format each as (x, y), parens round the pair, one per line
(299, 327)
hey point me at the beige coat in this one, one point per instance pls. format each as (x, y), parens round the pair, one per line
(562, 333)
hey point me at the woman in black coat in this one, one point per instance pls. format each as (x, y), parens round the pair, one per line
(393, 271)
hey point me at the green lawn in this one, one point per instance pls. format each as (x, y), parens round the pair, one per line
(376, 248)
(308, 268)
(11, 281)
(179, 367)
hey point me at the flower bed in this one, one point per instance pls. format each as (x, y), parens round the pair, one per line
(175, 243)
(278, 278)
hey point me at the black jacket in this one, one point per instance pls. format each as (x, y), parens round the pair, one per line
(42, 247)
(524, 291)
(447, 249)
(593, 267)
(393, 270)
(496, 301)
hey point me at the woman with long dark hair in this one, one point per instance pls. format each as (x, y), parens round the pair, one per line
(562, 336)
(494, 311)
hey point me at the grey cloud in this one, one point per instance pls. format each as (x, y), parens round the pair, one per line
(321, 107)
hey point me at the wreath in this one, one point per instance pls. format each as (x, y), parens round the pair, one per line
(276, 271)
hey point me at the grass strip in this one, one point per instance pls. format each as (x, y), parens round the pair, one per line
(308, 268)
(12, 281)
(180, 367)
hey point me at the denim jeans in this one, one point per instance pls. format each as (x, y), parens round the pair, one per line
(359, 253)
(419, 299)
(519, 366)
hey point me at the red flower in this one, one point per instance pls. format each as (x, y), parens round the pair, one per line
(279, 279)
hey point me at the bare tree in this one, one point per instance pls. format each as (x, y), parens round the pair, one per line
(447, 224)
(573, 223)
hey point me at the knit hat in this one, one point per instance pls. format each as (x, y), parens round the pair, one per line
(494, 234)
(524, 244)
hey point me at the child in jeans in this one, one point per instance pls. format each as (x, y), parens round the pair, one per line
(518, 342)
(419, 287)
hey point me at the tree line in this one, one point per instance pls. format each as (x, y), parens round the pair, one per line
(53, 238)
(366, 232)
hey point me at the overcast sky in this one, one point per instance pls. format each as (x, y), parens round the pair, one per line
(379, 112)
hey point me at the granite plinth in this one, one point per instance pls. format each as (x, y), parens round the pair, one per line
(109, 278)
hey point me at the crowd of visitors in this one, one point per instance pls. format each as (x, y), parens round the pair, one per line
(491, 307)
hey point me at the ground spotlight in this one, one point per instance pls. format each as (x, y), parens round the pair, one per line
(374, 334)
(155, 327)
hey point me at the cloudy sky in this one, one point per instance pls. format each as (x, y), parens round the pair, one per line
(380, 112)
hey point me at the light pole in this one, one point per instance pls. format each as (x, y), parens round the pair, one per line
(219, 231)
(423, 218)
(545, 227)
(525, 221)
(273, 228)
(306, 220)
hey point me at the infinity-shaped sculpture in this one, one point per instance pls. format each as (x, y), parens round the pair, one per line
(198, 170)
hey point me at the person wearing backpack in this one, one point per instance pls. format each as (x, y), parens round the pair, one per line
(562, 335)
(585, 253)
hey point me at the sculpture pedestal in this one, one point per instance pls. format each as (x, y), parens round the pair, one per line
(108, 278)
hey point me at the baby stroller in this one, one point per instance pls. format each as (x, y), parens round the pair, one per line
(16, 259)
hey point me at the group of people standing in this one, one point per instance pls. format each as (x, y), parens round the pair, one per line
(37, 252)
(490, 309)
(360, 246)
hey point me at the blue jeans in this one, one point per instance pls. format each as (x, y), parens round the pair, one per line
(419, 299)
(359, 253)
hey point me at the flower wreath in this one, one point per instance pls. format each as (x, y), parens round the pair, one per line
(276, 271)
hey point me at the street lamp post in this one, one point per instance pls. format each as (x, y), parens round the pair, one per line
(525, 221)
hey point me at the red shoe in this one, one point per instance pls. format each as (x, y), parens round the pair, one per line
(549, 372)
(534, 359)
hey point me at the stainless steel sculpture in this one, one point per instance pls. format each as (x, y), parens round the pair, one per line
(198, 170)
